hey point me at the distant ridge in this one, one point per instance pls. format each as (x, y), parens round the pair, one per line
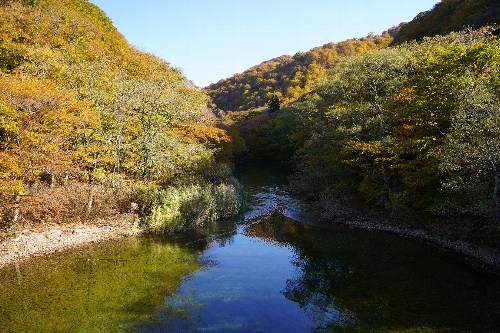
(447, 16)
(291, 77)
(286, 76)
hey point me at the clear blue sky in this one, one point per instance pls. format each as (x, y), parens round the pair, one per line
(214, 39)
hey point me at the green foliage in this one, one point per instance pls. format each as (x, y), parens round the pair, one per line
(230, 199)
(30, 3)
(471, 151)
(177, 209)
(406, 131)
(274, 103)
(356, 125)
(10, 57)
(180, 209)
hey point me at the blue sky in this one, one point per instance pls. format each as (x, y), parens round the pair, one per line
(213, 39)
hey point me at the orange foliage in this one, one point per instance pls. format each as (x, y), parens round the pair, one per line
(208, 135)
(47, 119)
(287, 77)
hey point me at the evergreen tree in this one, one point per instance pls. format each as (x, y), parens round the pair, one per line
(274, 103)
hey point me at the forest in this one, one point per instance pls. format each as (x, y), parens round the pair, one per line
(290, 77)
(400, 126)
(407, 133)
(91, 128)
(355, 186)
(447, 16)
(287, 77)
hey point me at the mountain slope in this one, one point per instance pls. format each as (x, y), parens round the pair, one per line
(291, 77)
(447, 16)
(90, 125)
(286, 76)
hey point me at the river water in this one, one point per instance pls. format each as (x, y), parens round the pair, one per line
(272, 270)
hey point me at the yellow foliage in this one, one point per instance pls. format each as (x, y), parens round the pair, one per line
(46, 120)
(204, 134)
(285, 76)
(10, 170)
(8, 125)
(77, 101)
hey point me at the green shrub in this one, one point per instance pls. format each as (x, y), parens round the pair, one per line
(229, 199)
(177, 209)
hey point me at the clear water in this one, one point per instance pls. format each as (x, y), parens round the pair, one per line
(273, 270)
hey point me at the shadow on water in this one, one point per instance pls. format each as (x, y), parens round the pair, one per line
(267, 271)
(360, 281)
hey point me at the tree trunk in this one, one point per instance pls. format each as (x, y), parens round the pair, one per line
(52, 181)
(90, 201)
(145, 164)
(15, 218)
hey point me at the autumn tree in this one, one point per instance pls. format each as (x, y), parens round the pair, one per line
(152, 109)
(360, 91)
(82, 108)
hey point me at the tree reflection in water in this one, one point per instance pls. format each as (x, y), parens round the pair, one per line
(266, 272)
(352, 280)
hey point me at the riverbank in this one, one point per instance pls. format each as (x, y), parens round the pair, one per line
(30, 243)
(482, 255)
(35, 242)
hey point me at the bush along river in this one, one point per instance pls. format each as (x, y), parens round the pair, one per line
(272, 270)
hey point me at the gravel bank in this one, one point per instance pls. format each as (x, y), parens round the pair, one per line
(33, 243)
(37, 242)
(484, 256)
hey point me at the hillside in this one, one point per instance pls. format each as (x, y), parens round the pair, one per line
(448, 16)
(286, 76)
(91, 127)
(408, 133)
(289, 77)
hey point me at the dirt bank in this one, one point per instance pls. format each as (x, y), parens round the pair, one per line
(47, 239)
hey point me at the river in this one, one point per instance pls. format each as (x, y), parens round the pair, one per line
(272, 270)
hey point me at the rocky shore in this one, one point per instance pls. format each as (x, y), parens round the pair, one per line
(484, 256)
(53, 238)
(41, 241)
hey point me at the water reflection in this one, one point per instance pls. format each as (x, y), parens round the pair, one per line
(267, 271)
(239, 294)
(109, 287)
(368, 282)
